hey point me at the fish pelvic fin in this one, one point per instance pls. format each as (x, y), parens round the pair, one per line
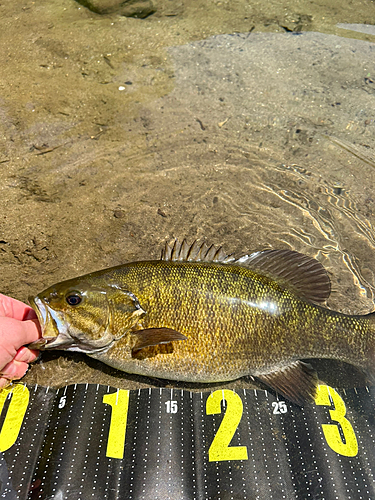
(298, 382)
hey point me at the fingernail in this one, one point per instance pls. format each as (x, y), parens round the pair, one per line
(4, 383)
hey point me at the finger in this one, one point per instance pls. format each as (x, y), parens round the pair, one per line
(14, 334)
(18, 333)
(12, 308)
(26, 355)
(14, 370)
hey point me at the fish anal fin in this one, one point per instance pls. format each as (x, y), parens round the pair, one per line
(155, 336)
(298, 382)
(369, 374)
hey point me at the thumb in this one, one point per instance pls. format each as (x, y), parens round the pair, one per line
(14, 333)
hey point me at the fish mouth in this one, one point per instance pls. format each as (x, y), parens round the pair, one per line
(42, 315)
(62, 340)
(62, 343)
(40, 310)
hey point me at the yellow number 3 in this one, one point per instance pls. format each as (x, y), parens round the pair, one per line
(331, 432)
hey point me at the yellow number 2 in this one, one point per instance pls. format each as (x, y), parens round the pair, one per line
(14, 417)
(220, 449)
(331, 432)
(116, 437)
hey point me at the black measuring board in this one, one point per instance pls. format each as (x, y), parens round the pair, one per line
(96, 442)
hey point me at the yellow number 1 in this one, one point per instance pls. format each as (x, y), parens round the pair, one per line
(116, 438)
(349, 448)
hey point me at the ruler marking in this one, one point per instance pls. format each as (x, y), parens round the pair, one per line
(311, 454)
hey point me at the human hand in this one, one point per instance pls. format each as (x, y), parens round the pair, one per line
(18, 326)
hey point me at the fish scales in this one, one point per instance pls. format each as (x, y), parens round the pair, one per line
(194, 319)
(232, 317)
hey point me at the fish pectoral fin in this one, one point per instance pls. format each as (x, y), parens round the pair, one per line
(155, 336)
(298, 382)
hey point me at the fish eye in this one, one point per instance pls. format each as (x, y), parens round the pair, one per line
(73, 299)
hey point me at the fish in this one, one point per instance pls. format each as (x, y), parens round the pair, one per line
(200, 315)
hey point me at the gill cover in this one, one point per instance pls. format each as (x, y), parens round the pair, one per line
(83, 317)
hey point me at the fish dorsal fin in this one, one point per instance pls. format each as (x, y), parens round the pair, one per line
(183, 252)
(297, 382)
(302, 274)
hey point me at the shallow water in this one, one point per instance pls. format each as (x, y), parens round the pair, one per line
(224, 121)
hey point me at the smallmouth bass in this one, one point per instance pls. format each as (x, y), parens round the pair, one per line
(200, 315)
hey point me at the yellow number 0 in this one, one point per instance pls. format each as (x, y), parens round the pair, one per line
(220, 449)
(116, 437)
(331, 431)
(14, 417)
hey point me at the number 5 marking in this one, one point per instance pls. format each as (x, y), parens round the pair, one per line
(15, 414)
(349, 448)
(220, 449)
(116, 437)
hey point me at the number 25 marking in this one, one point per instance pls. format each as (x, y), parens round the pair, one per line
(279, 407)
(220, 449)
